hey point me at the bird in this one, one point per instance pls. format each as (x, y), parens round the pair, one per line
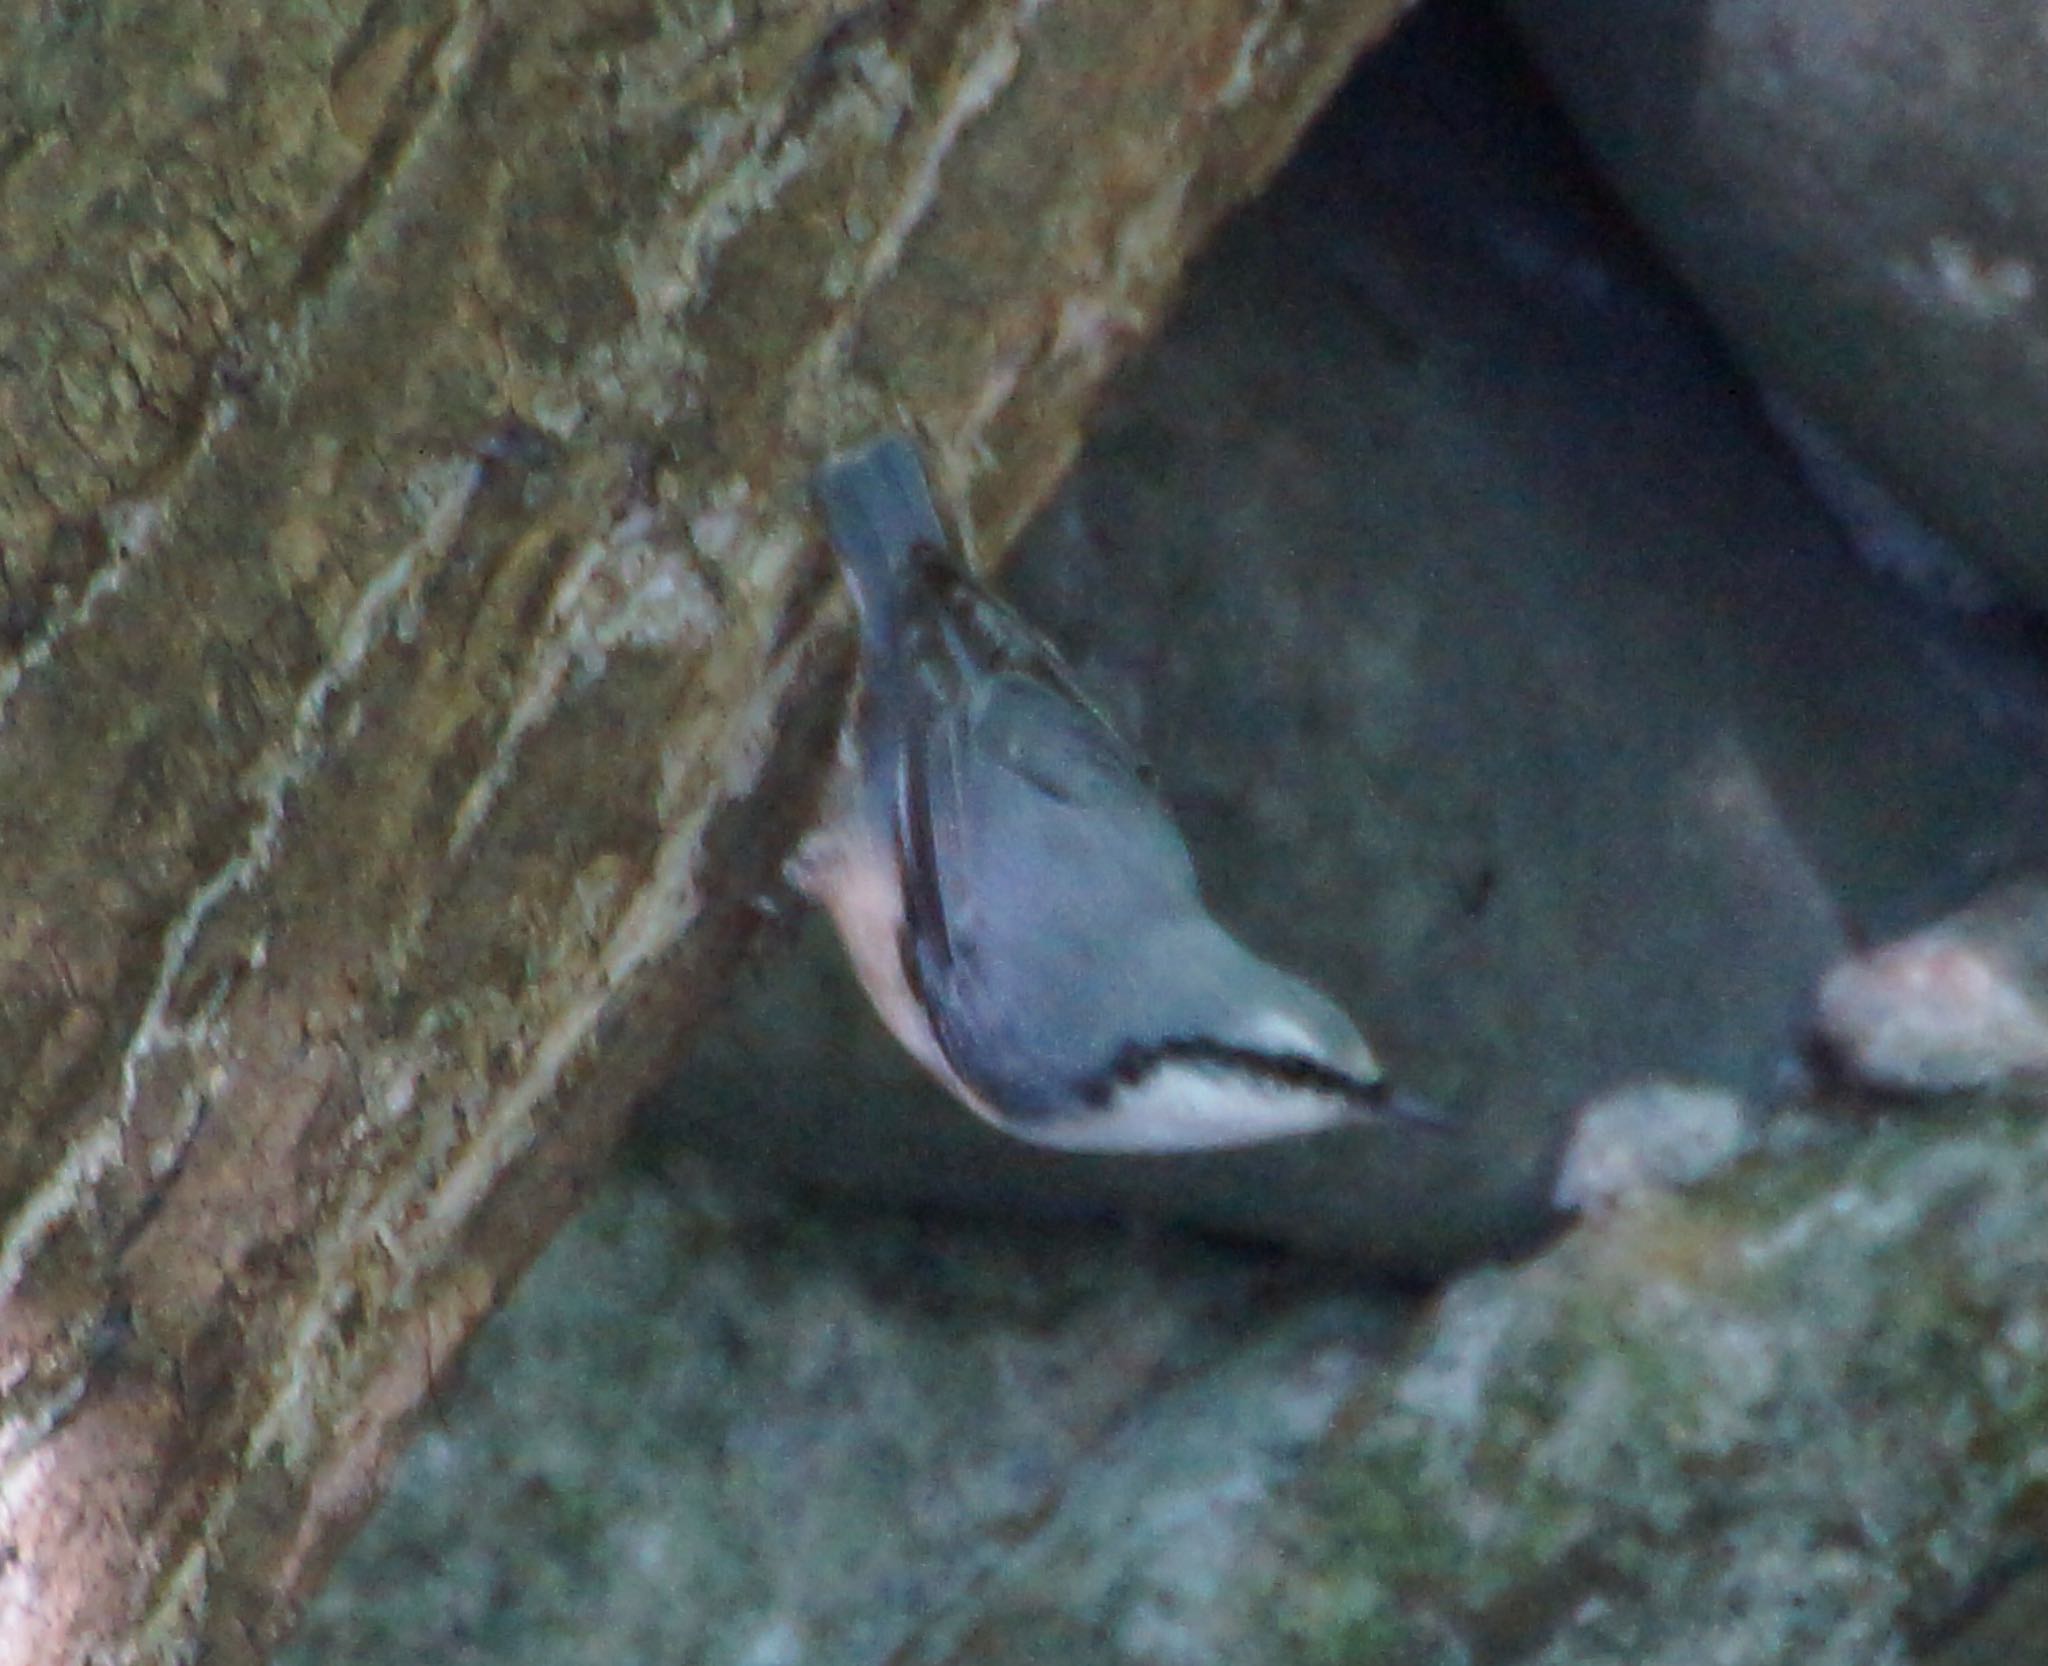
(1012, 890)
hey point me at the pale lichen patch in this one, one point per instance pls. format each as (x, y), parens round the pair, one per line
(268, 786)
(133, 528)
(659, 914)
(631, 587)
(1246, 67)
(973, 92)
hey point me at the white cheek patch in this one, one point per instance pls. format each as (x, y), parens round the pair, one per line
(1275, 1032)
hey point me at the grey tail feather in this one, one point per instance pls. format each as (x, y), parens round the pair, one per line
(878, 510)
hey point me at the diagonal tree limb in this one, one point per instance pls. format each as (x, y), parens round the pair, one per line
(410, 644)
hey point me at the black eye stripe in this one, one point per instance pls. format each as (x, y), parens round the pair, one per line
(1296, 1070)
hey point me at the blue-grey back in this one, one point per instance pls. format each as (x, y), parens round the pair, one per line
(1068, 895)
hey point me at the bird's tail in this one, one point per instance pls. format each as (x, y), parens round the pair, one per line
(879, 513)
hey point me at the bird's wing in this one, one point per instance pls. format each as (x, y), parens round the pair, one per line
(1032, 844)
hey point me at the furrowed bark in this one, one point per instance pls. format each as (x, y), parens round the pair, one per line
(414, 653)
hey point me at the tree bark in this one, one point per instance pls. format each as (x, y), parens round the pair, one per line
(414, 652)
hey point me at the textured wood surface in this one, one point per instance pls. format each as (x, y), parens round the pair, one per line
(412, 644)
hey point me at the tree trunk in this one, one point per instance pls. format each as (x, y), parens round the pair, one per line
(415, 653)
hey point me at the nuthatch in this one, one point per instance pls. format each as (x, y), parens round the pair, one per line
(1014, 894)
